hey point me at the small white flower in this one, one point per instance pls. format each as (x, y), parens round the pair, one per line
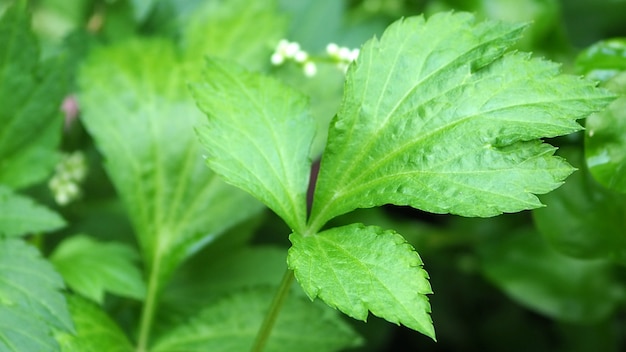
(301, 56)
(332, 49)
(310, 69)
(354, 54)
(277, 59)
(291, 49)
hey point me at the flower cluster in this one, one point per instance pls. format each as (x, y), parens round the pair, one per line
(286, 50)
(342, 56)
(69, 173)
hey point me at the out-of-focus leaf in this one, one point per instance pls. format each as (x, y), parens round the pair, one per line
(358, 268)
(605, 140)
(541, 279)
(30, 98)
(231, 323)
(31, 304)
(583, 219)
(90, 268)
(142, 117)
(95, 331)
(239, 30)
(20, 215)
(603, 60)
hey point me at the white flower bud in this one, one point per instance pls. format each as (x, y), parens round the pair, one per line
(301, 56)
(332, 49)
(277, 59)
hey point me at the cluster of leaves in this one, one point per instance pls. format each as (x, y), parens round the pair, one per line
(436, 114)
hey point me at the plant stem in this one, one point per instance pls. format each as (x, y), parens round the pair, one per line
(149, 307)
(270, 318)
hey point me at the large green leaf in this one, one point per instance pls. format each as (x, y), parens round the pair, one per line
(435, 115)
(30, 96)
(31, 304)
(583, 219)
(231, 323)
(20, 215)
(137, 107)
(111, 267)
(359, 268)
(239, 30)
(561, 287)
(95, 331)
(258, 137)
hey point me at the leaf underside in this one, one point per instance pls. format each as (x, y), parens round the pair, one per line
(436, 115)
(358, 268)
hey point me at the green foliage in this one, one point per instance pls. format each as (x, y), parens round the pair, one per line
(95, 331)
(302, 326)
(21, 216)
(358, 268)
(441, 113)
(111, 268)
(30, 299)
(30, 95)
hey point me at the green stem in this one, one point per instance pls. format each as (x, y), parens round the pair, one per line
(271, 316)
(149, 307)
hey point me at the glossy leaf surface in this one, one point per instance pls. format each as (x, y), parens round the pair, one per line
(435, 115)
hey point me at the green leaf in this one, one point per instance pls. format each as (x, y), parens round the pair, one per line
(603, 60)
(539, 278)
(30, 96)
(258, 137)
(239, 30)
(31, 306)
(231, 323)
(111, 267)
(605, 140)
(357, 268)
(583, 219)
(142, 116)
(20, 215)
(95, 331)
(435, 115)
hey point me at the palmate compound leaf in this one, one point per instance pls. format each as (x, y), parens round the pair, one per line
(137, 106)
(230, 324)
(31, 304)
(258, 137)
(358, 268)
(435, 115)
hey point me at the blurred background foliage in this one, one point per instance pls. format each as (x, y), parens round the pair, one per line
(552, 279)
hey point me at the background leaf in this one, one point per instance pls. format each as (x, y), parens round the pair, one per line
(561, 287)
(142, 117)
(258, 137)
(357, 268)
(243, 31)
(231, 324)
(603, 60)
(605, 139)
(591, 219)
(20, 215)
(90, 268)
(30, 96)
(30, 301)
(437, 117)
(95, 331)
